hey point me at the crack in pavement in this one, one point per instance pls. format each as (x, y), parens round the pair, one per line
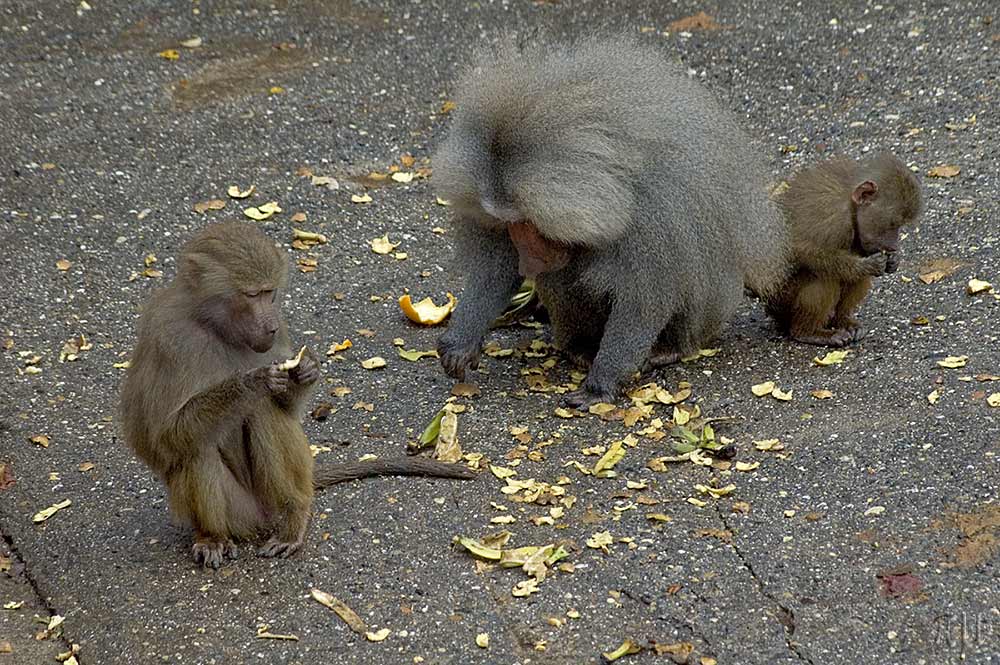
(786, 617)
(37, 590)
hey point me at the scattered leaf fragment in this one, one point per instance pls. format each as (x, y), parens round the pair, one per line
(447, 448)
(382, 245)
(235, 192)
(768, 444)
(63, 264)
(934, 396)
(378, 635)
(821, 394)
(194, 42)
(169, 54)
(363, 198)
(483, 641)
(448, 106)
(12, 605)
(831, 358)
(747, 466)
(349, 616)
(627, 647)
(212, 204)
(994, 400)
(374, 362)
(600, 541)
(40, 440)
(944, 171)
(977, 286)
(45, 514)
(86, 466)
(308, 237)
(402, 176)
(415, 354)
(781, 395)
(953, 362)
(875, 510)
(425, 311)
(762, 389)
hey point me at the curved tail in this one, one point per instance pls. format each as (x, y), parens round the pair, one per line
(331, 474)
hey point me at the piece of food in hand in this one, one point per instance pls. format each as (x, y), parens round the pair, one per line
(292, 363)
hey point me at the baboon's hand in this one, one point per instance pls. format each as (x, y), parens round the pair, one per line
(458, 356)
(875, 265)
(306, 372)
(891, 262)
(270, 379)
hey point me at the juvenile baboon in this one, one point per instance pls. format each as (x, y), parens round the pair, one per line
(206, 406)
(844, 218)
(619, 184)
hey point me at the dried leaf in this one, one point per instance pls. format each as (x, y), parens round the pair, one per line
(944, 171)
(978, 286)
(627, 647)
(212, 204)
(402, 176)
(415, 355)
(447, 448)
(831, 358)
(40, 440)
(614, 455)
(63, 265)
(821, 394)
(45, 514)
(762, 389)
(378, 635)
(308, 237)
(235, 192)
(349, 616)
(382, 245)
(374, 362)
(953, 362)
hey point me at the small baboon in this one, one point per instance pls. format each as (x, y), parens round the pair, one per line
(208, 406)
(844, 218)
(615, 180)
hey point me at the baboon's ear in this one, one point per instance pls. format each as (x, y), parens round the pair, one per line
(864, 193)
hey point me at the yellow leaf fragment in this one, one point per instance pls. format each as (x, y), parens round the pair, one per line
(86, 466)
(40, 440)
(977, 286)
(483, 641)
(717, 492)
(934, 396)
(275, 90)
(308, 237)
(212, 204)
(762, 389)
(363, 198)
(525, 588)
(831, 358)
(600, 541)
(402, 176)
(374, 362)
(696, 502)
(781, 395)
(382, 245)
(614, 455)
(45, 514)
(747, 466)
(378, 635)
(768, 444)
(425, 311)
(348, 615)
(994, 400)
(944, 171)
(235, 192)
(169, 54)
(821, 394)
(953, 362)
(627, 647)
(63, 265)
(194, 42)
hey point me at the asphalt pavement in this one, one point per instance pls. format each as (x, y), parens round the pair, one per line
(869, 533)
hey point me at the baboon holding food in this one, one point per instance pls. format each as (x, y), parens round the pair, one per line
(843, 218)
(634, 200)
(211, 408)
